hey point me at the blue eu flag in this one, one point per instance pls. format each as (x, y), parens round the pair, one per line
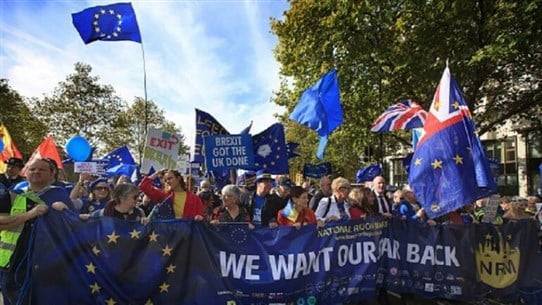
(206, 125)
(109, 23)
(119, 156)
(270, 150)
(368, 173)
(317, 170)
(449, 168)
(319, 108)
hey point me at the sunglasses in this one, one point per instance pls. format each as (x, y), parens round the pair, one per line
(101, 188)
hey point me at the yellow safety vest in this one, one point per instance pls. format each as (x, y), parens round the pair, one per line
(8, 238)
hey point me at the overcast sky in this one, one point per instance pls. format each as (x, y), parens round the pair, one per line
(213, 55)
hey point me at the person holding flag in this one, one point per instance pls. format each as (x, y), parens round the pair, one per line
(297, 212)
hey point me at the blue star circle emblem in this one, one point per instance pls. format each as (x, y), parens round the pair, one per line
(107, 23)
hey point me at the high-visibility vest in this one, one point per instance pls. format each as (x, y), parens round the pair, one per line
(8, 238)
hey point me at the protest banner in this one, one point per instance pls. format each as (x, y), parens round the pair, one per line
(228, 151)
(161, 150)
(185, 262)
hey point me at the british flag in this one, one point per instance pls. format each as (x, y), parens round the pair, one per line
(404, 115)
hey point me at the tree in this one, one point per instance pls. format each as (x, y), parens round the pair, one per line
(387, 50)
(80, 105)
(25, 129)
(130, 126)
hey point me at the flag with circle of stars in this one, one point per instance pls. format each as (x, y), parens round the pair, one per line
(109, 261)
(107, 23)
(270, 150)
(449, 168)
(118, 156)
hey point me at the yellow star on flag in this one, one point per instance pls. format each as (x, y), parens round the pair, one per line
(456, 105)
(112, 238)
(91, 268)
(164, 287)
(436, 164)
(95, 288)
(167, 251)
(96, 251)
(418, 161)
(171, 268)
(458, 159)
(436, 105)
(110, 301)
(153, 236)
(135, 234)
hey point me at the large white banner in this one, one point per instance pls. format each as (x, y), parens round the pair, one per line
(161, 150)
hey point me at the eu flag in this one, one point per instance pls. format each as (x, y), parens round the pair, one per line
(270, 150)
(319, 108)
(368, 173)
(206, 125)
(108, 23)
(449, 168)
(119, 156)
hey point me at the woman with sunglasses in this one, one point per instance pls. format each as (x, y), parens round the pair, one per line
(175, 200)
(100, 194)
(122, 204)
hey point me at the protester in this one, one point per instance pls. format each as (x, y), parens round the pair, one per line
(8, 180)
(174, 201)
(262, 205)
(297, 212)
(402, 208)
(284, 184)
(16, 234)
(335, 207)
(100, 193)
(381, 201)
(122, 204)
(324, 191)
(231, 211)
(516, 210)
(358, 203)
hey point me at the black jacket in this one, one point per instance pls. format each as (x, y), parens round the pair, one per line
(272, 205)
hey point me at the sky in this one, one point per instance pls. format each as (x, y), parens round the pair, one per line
(213, 55)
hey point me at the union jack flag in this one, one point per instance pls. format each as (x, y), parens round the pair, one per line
(405, 115)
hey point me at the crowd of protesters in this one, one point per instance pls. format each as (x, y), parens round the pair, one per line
(258, 200)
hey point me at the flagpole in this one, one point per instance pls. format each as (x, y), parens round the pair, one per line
(146, 103)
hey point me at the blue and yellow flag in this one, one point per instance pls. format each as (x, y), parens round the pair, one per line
(449, 168)
(107, 23)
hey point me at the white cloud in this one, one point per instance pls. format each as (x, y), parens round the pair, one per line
(186, 62)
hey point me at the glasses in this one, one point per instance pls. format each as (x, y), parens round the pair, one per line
(344, 188)
(101, 188)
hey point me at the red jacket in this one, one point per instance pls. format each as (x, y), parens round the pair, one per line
(192, 206)
(305, 217)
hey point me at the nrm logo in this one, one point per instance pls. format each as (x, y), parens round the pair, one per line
(497, 261)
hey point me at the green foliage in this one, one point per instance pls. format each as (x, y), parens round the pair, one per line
(80, 105)
(25, 129)
(387, 50)
(130, 127)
